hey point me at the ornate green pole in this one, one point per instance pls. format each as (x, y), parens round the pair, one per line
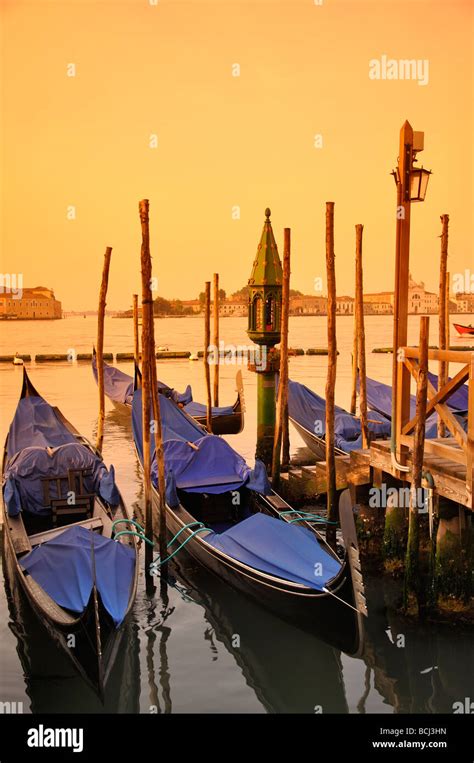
(265, 295)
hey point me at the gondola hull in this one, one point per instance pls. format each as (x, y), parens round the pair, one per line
(312, 610)
(317, 445)
(73, 638)
(90, 639)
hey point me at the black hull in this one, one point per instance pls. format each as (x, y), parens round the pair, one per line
(88, 641)
(317, 445)
(231, 424)
(314, 611)
(83, 656)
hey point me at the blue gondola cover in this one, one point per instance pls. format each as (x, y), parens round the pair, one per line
(40, 446)
(71, 553)
(208, 465)
(277, 548)
(309, 410)
(118, 386)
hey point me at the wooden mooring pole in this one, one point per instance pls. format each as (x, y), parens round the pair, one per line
(331, 375)
(150, 401)
(355, 350)
(100, 347)
(413, 582)
(207, 341)
(215, 337)
(136, 338)
(361, 338)
(282, 399)
(442, 313)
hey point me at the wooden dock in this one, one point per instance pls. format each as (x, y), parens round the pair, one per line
(449, 474)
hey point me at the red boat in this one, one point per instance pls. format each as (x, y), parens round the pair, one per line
(464, 329)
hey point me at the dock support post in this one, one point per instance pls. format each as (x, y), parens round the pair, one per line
(100, 347)
(332, 512)
(401, 375)
(413, 583)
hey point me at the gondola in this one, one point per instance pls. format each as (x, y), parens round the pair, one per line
(63, 514)
(462, 330)
(119, 386)
(226, 516)
(307, 413)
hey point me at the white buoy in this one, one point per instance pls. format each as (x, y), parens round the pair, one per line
(162, 349)
(194, 356)
(17, 361)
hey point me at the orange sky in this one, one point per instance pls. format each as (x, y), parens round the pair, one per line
(224, 140)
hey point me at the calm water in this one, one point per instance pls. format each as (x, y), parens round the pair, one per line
(179, 654)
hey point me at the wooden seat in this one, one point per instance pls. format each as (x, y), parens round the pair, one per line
(72, 498)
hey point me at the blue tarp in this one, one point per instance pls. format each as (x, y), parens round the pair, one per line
(36, 423)
(63, 567)
(118, 386)
(283, 550)
(309, 410)
(24, 472)
(40, 445)
(176, 425)
(458, 401)
(212, 466)
(379, 399)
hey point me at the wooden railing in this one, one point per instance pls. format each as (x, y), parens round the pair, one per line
(460, 446)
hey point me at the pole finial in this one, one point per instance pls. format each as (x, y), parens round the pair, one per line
(268, 212)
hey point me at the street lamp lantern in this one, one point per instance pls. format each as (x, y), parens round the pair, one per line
(418, 183)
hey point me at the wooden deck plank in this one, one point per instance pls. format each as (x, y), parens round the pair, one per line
(449, 476)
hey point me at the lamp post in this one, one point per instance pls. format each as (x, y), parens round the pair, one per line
(411, 182)
(264, 318)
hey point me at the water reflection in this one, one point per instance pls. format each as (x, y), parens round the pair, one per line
(52, 683)
(290, 670)
(416, 668)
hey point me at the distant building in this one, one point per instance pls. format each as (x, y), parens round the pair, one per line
(308, 305)
(38, 303)
(345, 305)
(377, 307)
(464, 302)
(194, 304)
(419, 300)
(233, 307)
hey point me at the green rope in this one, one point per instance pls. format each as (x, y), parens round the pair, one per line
(131, 521)
(306, 517)
(158, 562)
(137, 535)
(311, 519)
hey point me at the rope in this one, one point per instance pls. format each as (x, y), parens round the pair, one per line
(158, 562)
(137, 535)
(130, 521)
(306, 517)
